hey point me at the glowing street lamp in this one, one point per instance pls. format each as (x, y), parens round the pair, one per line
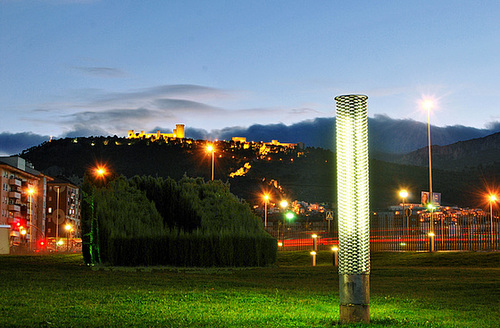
(404, 194)
(428, 105)
(211, 149)
(31, 192)
(68, 228)
(315, 241)
(266, 199)
(493, 198)
(353, 208)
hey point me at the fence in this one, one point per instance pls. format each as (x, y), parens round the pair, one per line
(398, 233)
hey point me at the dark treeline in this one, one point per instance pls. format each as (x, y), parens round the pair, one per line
(152, 221)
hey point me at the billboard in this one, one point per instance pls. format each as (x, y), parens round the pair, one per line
(436, 199)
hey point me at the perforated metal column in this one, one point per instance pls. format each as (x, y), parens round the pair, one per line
(353, 207)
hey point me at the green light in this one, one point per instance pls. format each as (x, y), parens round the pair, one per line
(289, 215)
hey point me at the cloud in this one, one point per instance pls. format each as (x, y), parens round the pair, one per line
(152, 94)
(107, 72)
(84, 130)
(14, 143)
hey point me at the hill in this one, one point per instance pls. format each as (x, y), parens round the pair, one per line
(478, 152)
(305, 174)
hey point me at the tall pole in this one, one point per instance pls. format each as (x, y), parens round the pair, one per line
(266, 197)
(492, 199)
(31, 220)
(428, 105)
(353, 208)
(213, 160)
(57, 216)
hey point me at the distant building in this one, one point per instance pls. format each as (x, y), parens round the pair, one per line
(63, 207)
(178, 132)
(18, 178)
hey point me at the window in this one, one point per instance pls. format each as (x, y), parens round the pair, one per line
(49, 210)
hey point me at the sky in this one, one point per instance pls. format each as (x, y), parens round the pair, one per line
(98, 67)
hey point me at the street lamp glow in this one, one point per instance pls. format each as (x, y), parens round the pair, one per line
(493, 198)
(284, 204)
(211, 149)
(403, 194)
(289, 215)
(100, 171)
(68, 227)
(266, 199)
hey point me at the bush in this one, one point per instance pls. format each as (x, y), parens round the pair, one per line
(139, 222)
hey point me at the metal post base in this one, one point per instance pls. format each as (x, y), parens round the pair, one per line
(354, 313)
(354, 298)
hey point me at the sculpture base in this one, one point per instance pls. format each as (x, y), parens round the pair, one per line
(354, 313)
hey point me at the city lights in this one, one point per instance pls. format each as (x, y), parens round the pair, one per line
(353, 208)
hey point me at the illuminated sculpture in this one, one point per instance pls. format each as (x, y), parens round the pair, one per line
(353, 208)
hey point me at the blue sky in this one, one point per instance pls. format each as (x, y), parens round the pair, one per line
(104, 67)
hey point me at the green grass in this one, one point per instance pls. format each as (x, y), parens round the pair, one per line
(407, 290)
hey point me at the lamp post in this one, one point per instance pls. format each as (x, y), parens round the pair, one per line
(68, 230)
(428, 105)
(403, 194)
(284, 205)
(266, 199)
(353, 208)
(493, 198)
(211, 149)
(315, 242)
(57, 216)
(31, 191)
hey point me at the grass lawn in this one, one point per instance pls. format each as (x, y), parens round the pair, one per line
(407, 290)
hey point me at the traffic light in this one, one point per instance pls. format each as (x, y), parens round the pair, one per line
(42, 244)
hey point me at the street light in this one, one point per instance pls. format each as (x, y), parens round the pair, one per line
(284, 205)
(403, 194)
(31, 191)
(266, 199)
(211, 149)
(428, 104)
(68, 228)
(315, 242)
(493, 198)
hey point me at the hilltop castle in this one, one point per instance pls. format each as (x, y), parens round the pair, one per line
(177, 133)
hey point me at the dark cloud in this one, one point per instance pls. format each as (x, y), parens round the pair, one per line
(184, 91)
(107, 72)
(185, 105)
(386, 134)
(111, 115)
(14, 143)
(84, 130)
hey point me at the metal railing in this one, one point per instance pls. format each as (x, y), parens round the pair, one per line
(395, 233)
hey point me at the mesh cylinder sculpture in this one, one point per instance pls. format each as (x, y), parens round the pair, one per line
(353, 208)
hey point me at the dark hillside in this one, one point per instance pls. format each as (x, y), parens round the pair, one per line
(303, 174)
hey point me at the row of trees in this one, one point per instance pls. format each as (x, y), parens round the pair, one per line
(156, 221)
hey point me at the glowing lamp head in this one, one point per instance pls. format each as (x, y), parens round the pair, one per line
(23, 232)
(59, 242)
(67, 227)
(431, 234)
(493, 198)
(100, 171)
(266, 197)
(210, 148)
(313, 253)
(428, 104)
(284, 204)
(289, 215)
(335, 249)
(314, 236)
(31, 191)
(403, 193)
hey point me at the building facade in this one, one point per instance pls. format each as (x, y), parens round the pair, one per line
(23, 196)
(62, 209)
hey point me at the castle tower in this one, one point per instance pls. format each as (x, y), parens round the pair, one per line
(179, 131)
